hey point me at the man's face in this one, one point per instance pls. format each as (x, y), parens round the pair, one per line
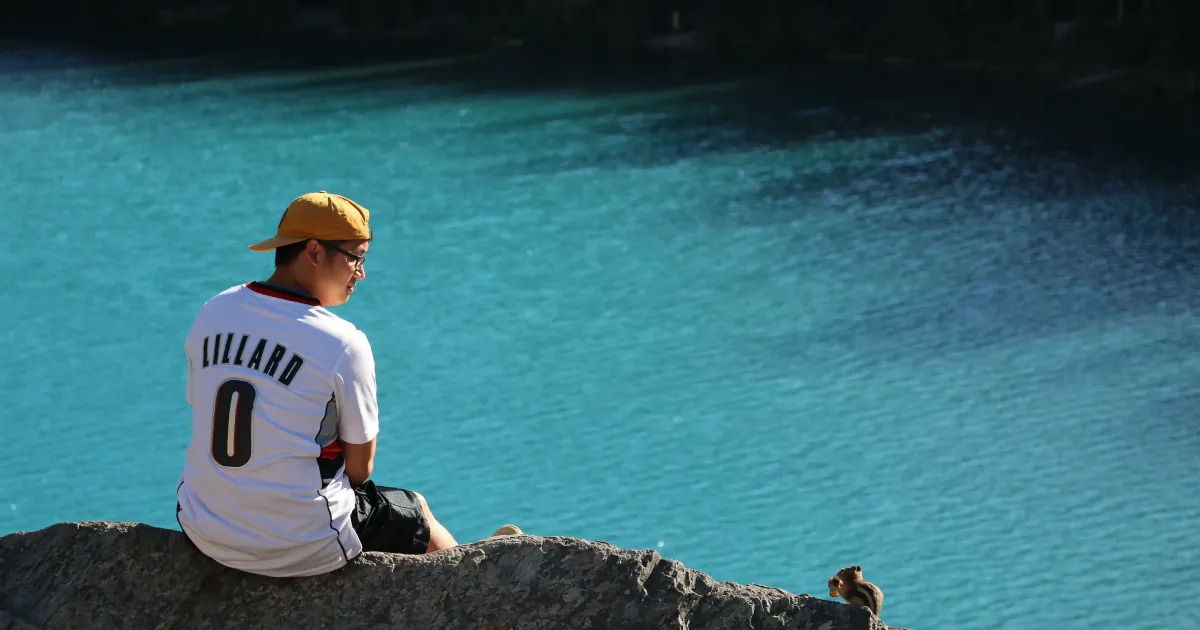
(341, 268)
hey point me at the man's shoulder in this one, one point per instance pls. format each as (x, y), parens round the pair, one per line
(224, 296)
(353, 340)
(216, 302)
(336, 325)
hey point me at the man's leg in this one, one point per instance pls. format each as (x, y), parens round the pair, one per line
(400, 521)
(392, 520)
(439, 536)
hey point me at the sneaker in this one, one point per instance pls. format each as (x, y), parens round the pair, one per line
(507, 530)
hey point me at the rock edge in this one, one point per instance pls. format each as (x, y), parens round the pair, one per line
(128, 575)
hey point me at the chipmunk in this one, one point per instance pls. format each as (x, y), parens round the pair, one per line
(850, 586)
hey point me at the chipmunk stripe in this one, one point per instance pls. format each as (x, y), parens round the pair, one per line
(864, 596)
(872, 597)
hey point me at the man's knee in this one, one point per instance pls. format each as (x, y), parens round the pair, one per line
(421, 500)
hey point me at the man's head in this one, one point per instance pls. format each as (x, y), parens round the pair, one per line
(320, 246)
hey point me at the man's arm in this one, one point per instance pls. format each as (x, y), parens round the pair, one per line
(358, 414)
(360, 461)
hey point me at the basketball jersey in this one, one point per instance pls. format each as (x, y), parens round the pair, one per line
(274, 380)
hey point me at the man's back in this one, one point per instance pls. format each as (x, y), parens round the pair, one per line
(274, 380)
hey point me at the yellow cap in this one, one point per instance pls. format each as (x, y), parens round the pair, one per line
(320, 215)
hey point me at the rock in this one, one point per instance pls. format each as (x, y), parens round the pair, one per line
(124, 575)
(8, 622)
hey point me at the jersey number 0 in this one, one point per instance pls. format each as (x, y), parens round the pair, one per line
(231, 423)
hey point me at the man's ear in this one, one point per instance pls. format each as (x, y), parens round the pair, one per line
(312, 251)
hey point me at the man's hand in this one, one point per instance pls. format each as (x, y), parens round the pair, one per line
(360, 461)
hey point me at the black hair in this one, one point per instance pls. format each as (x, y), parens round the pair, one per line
(288, 253)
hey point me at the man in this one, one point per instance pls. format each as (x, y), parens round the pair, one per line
(284, 418)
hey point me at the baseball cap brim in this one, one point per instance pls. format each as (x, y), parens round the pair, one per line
(275, 242)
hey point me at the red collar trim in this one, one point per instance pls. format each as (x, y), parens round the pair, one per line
(282, 294)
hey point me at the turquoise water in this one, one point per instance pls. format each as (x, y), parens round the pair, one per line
(768, 331)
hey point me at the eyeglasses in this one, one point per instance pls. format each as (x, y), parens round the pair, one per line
(358, 260)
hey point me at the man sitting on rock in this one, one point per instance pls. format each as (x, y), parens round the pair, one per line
(284, 417)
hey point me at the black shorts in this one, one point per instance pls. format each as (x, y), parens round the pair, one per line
(389, 519)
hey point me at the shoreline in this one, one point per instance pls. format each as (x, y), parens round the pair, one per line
(1157, 102)
(1139, 98)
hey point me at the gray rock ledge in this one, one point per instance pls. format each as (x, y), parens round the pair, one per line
(125, 575)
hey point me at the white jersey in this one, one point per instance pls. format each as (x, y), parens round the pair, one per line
(274, 380)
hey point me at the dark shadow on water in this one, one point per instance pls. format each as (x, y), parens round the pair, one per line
(872, 101)
(772, 109)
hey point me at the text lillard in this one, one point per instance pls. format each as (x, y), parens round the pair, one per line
(220, 351)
